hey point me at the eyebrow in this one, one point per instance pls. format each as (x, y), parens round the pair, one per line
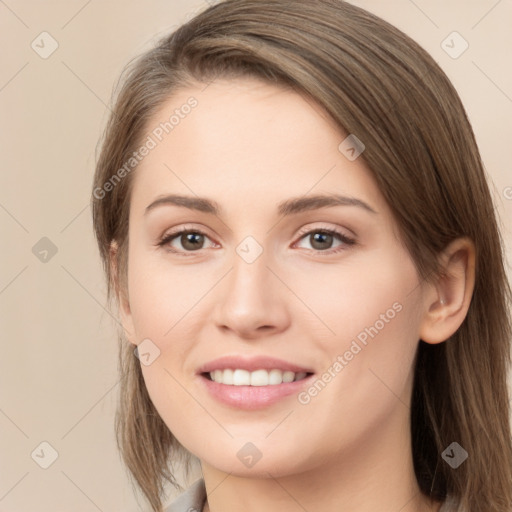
(285, 208)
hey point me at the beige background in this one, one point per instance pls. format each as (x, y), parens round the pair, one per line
(58, 367)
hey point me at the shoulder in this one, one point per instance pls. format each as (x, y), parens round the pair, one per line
(450, 504)
(192, 500)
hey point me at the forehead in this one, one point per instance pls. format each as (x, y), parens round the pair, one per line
(248, 142)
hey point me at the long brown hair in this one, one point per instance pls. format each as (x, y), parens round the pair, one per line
(376, 83)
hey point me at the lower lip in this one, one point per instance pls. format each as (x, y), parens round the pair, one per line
(253, 397)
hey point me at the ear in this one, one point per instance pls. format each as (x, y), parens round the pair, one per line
(121, 291)
(447, 300)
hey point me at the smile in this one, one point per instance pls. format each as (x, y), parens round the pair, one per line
(239, 377)
(252, 382)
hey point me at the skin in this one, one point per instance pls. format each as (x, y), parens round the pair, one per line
(248, 146)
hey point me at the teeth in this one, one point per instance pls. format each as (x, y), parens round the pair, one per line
(288, 376)
(226, 376)
(239, 377)
(275, 377)
(259, 378)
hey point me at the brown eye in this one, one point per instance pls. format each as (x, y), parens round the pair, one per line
(192, 241)
(185, 241)
(321, 240)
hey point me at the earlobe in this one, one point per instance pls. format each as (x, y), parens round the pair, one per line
(447, 300)
(121, 293)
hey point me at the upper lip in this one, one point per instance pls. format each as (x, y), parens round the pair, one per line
(251, 364)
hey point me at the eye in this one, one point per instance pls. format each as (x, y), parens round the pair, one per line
(192, 240)
(321, 240)
(187, 240)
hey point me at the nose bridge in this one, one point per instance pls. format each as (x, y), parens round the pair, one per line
(250, 298)
(248, 284)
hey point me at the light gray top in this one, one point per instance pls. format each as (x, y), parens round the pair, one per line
(193, 499)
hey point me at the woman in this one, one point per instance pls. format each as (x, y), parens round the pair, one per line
(295, 223)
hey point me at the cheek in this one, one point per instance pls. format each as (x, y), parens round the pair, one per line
(373, 316)
(162, 296)
(374, 296)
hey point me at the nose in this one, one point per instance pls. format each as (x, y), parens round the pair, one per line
(252, 302)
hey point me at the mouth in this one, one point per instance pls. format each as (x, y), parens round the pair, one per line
(252, 383)
(261, 377)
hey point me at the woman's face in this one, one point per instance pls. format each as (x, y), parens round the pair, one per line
(298, 274)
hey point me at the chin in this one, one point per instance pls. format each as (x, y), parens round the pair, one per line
(255, 460)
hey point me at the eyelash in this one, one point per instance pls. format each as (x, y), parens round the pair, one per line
(347, 241)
